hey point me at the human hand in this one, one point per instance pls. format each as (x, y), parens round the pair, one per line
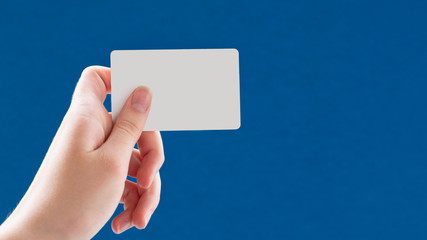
(83, 176)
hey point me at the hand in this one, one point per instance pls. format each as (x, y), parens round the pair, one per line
(83, 176)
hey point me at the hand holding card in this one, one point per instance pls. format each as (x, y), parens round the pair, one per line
(192, 89)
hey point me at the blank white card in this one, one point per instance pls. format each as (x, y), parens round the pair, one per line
(195, 89)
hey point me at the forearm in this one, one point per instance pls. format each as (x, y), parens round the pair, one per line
(13, 230)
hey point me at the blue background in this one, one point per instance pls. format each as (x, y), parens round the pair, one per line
(333, 137)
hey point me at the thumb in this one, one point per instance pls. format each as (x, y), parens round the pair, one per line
(130, 122)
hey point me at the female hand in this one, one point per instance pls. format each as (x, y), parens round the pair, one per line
(83, 176)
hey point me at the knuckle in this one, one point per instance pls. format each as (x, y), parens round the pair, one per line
(127, 127)
(156, 157)
(157, 201)
(90, 70)
(159, 156)
(90, 81)
(162, 157)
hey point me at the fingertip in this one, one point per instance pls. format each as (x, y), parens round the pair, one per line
(139, 228)
(140, 222)
(114, 228)
(140, 219)
(145, 176)
(147, 217)
(122, 222)
(146, 181)
(120, 226)
(141, 99)
(144, 90)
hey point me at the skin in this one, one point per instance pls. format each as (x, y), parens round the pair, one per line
(83, 177)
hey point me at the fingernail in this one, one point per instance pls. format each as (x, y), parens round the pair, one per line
(123, 227)
(141, 99)
(147, 217)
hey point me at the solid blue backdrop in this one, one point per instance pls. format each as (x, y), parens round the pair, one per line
(333, 138)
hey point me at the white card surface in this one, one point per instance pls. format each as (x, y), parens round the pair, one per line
(195, 89)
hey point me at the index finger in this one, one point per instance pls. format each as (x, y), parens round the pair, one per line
(94, 81)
